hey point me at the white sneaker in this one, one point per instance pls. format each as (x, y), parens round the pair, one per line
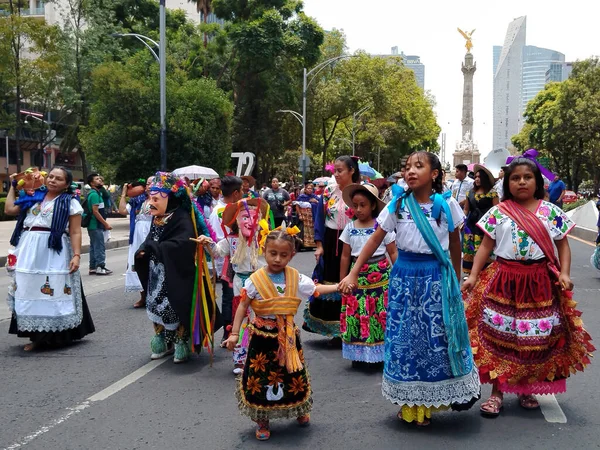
(103, 271)
(167, 352)
(238, 371)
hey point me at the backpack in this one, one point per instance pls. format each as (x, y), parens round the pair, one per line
(87, 215)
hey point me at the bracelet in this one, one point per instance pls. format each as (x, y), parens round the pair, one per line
(234, 334)
(76, 254)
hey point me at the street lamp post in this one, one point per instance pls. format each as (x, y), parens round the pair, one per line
(355, 117)
(162, 64)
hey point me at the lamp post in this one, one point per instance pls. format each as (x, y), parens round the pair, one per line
(162, 63)
(355, 117)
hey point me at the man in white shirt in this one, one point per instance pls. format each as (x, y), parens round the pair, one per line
(499, 186)
(462, 184)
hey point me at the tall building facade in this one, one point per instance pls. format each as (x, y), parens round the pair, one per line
(507, 84)
(412, 62)
(559, 71)
(536, 62)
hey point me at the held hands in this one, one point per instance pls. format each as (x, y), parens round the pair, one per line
(468, 284)
(348, 284)
(203, 240)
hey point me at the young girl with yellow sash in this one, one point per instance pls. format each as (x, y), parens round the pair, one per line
(275, 383)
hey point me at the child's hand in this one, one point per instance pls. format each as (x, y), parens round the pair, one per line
(468, 284)
(203, 240)
(348, 284)
(565, 282)
(231, 342)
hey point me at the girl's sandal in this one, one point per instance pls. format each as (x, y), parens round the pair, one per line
(304, 420)
(426, 422)
(30, 347)
(528, 402)
(262, 432)
(492, 406)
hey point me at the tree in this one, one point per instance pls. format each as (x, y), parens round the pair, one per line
(122, 136)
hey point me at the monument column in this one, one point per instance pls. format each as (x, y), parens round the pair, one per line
(468, 70)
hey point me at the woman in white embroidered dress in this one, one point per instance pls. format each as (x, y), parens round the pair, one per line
(46, 297)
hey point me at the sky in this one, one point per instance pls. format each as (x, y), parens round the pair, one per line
(428, 28)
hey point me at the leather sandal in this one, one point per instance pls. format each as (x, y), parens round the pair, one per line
(262, 431)
(528, 402)
(492, 406)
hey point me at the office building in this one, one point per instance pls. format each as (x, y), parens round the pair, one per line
(413, 63)
(559, 71)
(507, 85)
(536, 62)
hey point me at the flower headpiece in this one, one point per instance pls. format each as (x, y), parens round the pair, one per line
(167, 183)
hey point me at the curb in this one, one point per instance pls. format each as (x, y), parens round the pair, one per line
(110, 245)
(584, 233)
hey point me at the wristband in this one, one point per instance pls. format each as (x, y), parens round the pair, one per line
(76, 254)
(14, 183)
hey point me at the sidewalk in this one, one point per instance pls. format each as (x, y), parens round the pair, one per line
(119, 236)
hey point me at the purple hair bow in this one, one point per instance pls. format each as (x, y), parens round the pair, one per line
(532, 154)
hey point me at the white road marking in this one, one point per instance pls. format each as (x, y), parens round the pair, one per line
(98, 397)
(551, 409)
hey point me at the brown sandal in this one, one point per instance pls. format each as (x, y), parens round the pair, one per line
(528, 402)
(492, 406)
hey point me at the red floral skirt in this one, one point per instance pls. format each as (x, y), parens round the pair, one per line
(525, 332)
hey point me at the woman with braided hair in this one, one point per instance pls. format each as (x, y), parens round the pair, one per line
(46, 297)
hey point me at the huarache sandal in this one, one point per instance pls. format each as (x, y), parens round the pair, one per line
(492, 406)
(304, 420)
(528, 402)
(262, 432)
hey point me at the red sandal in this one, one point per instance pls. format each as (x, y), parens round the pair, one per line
(304, 420)
(262, 432)
(492, 406)
(528, 402)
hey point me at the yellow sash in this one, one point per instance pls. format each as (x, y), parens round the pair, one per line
(283, 308)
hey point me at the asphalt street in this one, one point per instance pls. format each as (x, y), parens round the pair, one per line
(104, 393)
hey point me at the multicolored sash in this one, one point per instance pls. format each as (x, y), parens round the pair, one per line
(284, 308)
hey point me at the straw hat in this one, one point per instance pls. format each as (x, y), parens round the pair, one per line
(478, 167)
(366, 188)
(250, 179)
(231, 210)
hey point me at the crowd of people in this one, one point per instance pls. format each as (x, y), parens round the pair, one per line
(441, 286)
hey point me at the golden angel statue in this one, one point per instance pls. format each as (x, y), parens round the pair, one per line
(467, 36)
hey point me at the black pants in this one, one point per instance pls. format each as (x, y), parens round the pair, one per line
(227, 303)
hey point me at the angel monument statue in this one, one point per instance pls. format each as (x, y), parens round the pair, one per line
(467, 36)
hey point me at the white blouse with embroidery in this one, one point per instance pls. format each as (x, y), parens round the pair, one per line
(40, 214)
(514, 243)
(356, 238)
(408, 236)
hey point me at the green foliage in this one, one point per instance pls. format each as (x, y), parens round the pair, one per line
(571, 206)
(563, 122)
(3, 216)
(123, 132)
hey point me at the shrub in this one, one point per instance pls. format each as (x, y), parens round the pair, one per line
(571, 206)
(2, 215)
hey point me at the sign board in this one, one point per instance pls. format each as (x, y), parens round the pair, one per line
(246, 163)
(303, 167)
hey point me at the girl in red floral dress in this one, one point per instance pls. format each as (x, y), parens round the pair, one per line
(362, 321)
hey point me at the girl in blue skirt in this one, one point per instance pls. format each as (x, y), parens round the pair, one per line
(428, 361)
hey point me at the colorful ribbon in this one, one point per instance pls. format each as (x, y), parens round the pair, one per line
(531, 155)
(439, 204)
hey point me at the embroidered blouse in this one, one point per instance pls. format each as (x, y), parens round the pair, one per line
(514, 243)
(332, 212)
(408, 236)
(40, 214)
(356, 238)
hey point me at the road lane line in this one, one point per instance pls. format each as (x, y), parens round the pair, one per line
(126, 381)
(98, 397)
(583, 241)
(551, 409)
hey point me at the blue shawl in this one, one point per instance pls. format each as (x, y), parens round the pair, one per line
(136, 204)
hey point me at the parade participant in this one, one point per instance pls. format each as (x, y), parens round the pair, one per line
(322, 314)
(306, 208)
(479, 201)
(232, 192)
(46, 297)
(498, 186)
(244, 218)
(275, 383)
(526, 334)
(140, 219)
(248, 182)
(462, 184)
(362, 322)
(278, 199)
(428, 362)
(177, 279)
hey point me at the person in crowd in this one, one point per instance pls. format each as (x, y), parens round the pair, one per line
(244, 218)
(322, 314)
(499, 183)
(306, 208)
(231, 187)
(98, 224)
(428, 362)
(168, 260)
(275, 383)
(362, 321)
(320, 188)
(140, 220)
(462, 184)
(526, 334)
(216, 196)
(598, 223)
(248, 183)
(479, 201)
(46, 295)
(556, 191)
(278, 199)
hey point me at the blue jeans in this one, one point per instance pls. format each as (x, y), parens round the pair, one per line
(97, 249)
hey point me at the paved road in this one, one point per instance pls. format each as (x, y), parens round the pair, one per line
(68, 399)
